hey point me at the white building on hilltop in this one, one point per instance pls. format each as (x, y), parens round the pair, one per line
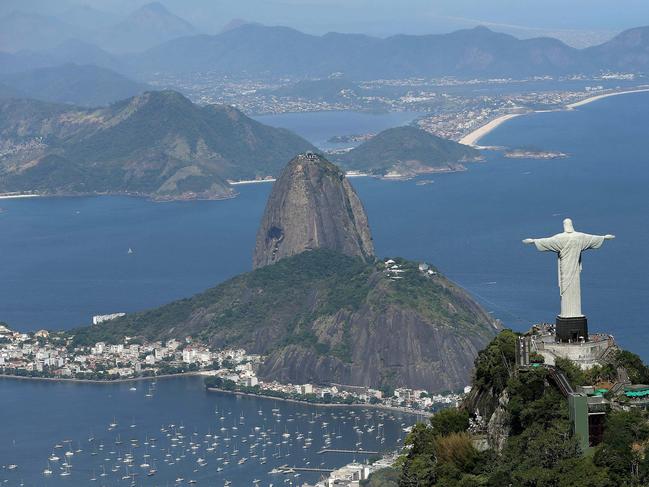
(97, 319)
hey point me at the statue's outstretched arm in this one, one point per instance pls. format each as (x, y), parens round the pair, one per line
(552, 244)
(594, 241)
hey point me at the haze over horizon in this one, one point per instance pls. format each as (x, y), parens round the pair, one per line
(581, 23)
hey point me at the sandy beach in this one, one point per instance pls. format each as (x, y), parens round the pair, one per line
(251, 181)
(473, 137)
(16, 196)
(476, 135)
(602, 96)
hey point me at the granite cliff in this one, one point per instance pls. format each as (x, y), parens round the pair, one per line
(324, 317)
(320, 307)
(312, 206)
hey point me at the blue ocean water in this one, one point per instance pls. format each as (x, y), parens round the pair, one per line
(63, 260)
(319, 127)
(168, 427)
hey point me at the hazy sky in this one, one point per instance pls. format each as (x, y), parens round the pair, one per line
(385, 17)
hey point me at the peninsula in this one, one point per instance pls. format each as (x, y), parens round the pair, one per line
(157, 145)
(319, 307)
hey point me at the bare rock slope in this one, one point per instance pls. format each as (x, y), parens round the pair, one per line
(320, 307)
(312, 206)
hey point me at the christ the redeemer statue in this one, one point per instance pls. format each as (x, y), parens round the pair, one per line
(569, 245)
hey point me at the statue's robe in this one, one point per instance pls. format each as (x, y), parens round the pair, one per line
(569, 246)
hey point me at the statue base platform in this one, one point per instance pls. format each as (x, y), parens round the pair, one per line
(573, 329)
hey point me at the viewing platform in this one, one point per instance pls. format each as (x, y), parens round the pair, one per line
(585, 353)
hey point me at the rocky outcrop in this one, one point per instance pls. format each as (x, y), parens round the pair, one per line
(498, 427)
(320, 307)
(393, 345)
(312, 206)
(323, 317)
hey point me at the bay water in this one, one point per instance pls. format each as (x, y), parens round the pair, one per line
(64, 259)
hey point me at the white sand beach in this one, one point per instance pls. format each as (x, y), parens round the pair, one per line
(11, 196)
(252, 181)
(604, 95)
(473, 137)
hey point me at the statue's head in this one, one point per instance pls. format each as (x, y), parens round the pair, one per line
(567, 226)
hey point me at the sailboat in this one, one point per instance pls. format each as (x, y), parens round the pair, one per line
(130, 250)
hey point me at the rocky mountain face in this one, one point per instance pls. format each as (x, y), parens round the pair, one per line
(324, 317)
(157, 144)
(312, 206)
(320, 307)
(391, 344)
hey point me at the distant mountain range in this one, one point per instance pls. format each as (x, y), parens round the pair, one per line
(152, 40)
(161, 145)
(29, 31)
(257, 50)
(148, 26)
(157, 144)
(78, 85)
(408, 151)
(71, 51)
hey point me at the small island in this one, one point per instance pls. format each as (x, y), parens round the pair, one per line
(405, 152)
(350, 139)
(534, 154)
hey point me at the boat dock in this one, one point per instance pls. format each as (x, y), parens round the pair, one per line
(285, 469)
(364, 452)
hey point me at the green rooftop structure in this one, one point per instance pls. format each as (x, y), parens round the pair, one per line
(578, 409)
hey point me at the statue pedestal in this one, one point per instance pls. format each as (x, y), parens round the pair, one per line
(572, 329)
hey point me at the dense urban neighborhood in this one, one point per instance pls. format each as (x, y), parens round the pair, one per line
(448, 107)
(52, 355)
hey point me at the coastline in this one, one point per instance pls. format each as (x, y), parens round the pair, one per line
(212, 389)
(586, 101)
(8, 196)
(100, 381)
(149, 197)
(251, 181)
(474, 137)
(322, 404)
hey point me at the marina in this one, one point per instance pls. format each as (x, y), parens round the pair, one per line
(173, 432)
